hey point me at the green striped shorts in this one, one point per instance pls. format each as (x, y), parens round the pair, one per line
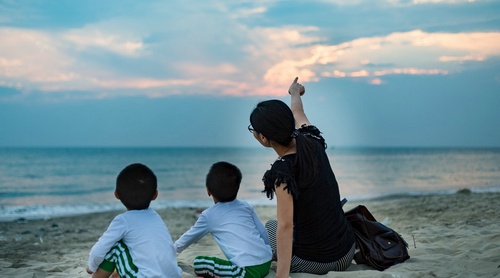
(214, 267)
(119, 258)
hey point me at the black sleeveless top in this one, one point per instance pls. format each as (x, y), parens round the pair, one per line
(321, 231)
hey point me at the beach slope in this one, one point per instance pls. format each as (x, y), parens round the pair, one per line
(456, 235)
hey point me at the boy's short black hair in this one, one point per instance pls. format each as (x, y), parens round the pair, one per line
(223, 181)
(136, 185)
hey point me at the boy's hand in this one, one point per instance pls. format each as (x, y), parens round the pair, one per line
(89, 271)
(296, 87)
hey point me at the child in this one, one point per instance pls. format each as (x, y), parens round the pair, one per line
(137, 243)
(235, 227)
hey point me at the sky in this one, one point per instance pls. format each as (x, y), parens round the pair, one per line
(377, 73)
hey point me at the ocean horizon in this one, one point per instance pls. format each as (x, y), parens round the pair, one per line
(46, 182)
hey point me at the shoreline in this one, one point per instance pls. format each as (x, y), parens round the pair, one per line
(448, 235)
(38, 212)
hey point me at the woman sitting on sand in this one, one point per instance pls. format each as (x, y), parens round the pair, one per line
(311, 234)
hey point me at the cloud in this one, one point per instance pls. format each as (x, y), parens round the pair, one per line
(414, 52)
(142, 83)
(32, 56)
(85, 38)
(41, 60)
(121, 57)
(364, 73)
(214, 71)
(275, 44)
(411, 71)
(242, 13)
(441, 1)
(461, 59)
(399, 2)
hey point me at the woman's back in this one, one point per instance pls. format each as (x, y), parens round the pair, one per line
(321, 231)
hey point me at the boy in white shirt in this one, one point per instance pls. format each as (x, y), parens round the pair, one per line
(235, 227)
(137, 243)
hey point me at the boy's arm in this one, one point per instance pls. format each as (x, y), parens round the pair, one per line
(260, 227)
(199, 230)
(296, 91)
(113, 234)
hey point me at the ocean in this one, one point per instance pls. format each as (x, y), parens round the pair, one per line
(37, 183)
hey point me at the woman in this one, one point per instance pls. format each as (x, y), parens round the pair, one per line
(311, 234)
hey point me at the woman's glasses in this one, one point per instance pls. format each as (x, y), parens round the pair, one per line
(250, 128)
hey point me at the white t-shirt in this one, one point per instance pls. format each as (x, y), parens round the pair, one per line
(237, 230)
(148, 240)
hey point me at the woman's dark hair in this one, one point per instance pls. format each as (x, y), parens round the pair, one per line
(274, 120)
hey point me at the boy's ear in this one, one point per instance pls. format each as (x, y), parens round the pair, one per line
(156, 195)
(116, 195)
(208, 192)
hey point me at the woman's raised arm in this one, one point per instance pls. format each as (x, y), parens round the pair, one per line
(296, 90)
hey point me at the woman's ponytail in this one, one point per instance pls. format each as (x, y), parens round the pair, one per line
(306, 163)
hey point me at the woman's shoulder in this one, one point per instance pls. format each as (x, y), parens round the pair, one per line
(281, 172)
(313, 132)
(281, 168)
(309, 130)
(283, 162)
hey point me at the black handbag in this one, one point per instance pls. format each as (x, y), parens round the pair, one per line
(380, 246)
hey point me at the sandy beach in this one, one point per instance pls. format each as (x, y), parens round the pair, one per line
(455, 235)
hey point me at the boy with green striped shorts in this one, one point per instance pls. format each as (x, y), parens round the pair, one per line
(235, 227)
(118, 258)
(137, 243)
